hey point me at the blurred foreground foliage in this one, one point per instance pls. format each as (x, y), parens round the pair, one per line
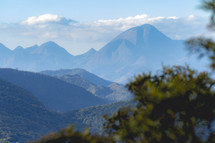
(176, 106)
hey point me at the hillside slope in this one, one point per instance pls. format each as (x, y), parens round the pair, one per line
(55, 94)
(23, 117)
(99, 87)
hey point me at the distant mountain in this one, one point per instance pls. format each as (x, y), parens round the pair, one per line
(46, 56)
(55, 94)
(111, 93)
(81, 72)
(107, 90)
(5, 53)
(142, 48)
(23, 117)
(81, 60)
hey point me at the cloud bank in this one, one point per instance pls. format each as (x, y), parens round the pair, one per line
(47, 19)
(78, 37)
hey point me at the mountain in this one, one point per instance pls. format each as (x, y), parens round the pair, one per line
(111, 93)
(55, 94)
(23, 117)
(46, 56)
(81, 72)
(107, 90)
(5, 53)
(138, 49)
(80, 60)
(142, 48)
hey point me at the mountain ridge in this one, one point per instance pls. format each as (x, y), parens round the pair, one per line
(138, 49)
(54, 93)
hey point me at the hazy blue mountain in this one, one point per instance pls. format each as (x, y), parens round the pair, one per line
(138, 49)
(46, 56)
(111, 93)
(142, 48)
(80, 60)
(5, 53)
(81, 72)
(4, 50)
(55, 94)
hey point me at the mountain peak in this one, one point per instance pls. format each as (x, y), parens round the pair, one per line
(19, 48)
(147, 26)
(90, 51)
(142, 34)
(49, 44)
(1, 45)
(51, 48)
(3, 48)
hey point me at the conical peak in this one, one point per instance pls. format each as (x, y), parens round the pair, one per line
(18, 48)
(141, 34)
(2, 46)
(49, 44)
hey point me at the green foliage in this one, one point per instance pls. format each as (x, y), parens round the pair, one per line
(205, 46)
(92, 117)
(170, 107)
(209, 5)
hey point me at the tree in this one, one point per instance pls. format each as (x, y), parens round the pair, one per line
(170, 108)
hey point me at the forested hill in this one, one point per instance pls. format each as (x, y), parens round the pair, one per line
(55, 94)
(23, 117)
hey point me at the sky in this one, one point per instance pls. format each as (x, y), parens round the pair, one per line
(78, 25)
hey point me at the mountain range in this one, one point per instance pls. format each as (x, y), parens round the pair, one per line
(142, 48)
(48, 88)
(107, 90)
(54, 93)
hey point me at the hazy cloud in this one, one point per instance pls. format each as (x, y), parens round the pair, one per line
(172, 26)
(46, 19)
(125, 23)
(78, 37)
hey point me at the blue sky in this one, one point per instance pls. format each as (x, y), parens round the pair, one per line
(29, 22)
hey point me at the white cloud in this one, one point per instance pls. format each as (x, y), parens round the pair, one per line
(79, 37)
(46, 18)
(49, 35)
(125, 23)
(191, 17)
